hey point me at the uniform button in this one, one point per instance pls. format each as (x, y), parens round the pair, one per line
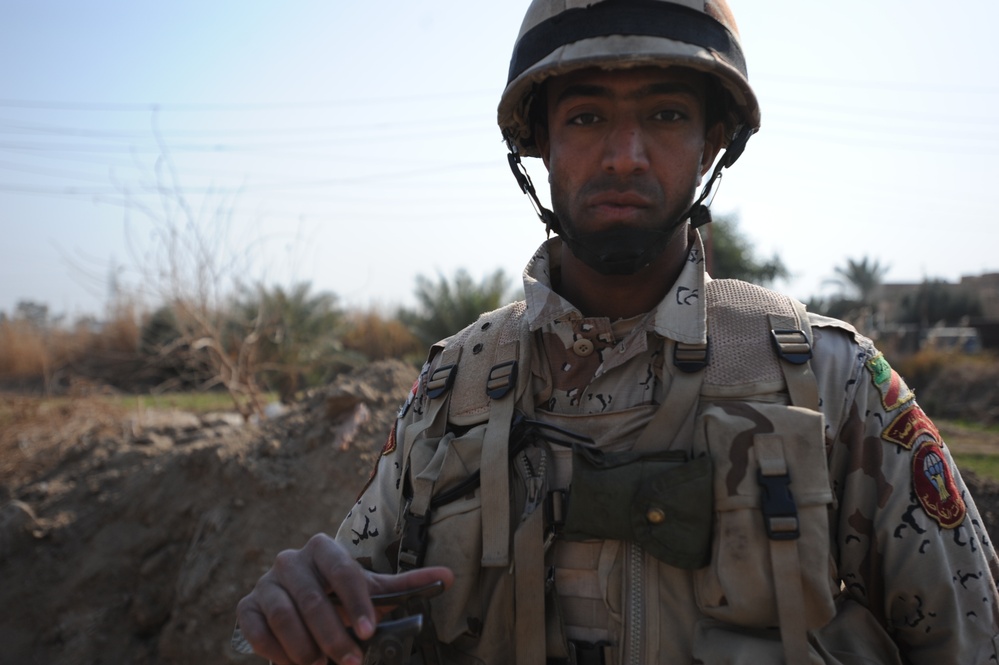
(655, 516)
(583, 347)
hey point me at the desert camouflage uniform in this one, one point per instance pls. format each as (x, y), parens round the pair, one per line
(905, 538)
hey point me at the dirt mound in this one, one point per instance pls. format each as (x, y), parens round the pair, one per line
(129, 537)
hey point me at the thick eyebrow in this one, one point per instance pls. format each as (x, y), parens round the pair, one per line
(653, 89)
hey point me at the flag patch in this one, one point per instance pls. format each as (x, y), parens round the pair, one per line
(894, 392)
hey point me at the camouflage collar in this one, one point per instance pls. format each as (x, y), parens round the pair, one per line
(680, 316)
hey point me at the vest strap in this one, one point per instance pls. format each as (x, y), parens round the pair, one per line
(781, 518)
(502, 378)
(440, 380)
(690, 358)
(529, 589)
(680, 399)
(792, 338)
(414, 513)
(496, 467)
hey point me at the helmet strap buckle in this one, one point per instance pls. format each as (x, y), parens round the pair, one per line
(699, 212)
(527, 186)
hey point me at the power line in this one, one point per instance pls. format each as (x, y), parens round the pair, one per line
(236, 106)
(927, 143)
(891, 84)
(72, 190)
(893, 115)
(19, 126)
(220, 147)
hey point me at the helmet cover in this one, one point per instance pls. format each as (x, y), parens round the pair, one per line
(562, 36)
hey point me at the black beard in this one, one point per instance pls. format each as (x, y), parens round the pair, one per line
(620, 250)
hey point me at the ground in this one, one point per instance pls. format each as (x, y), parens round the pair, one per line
(128, 536)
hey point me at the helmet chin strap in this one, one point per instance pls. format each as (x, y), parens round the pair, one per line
(625, 251)
(527, 187)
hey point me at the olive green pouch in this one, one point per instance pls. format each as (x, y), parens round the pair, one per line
(660, 501)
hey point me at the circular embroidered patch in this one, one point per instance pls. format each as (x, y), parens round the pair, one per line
(934, 484)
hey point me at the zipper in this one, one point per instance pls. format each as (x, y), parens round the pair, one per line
(534, 482)
(636, 604)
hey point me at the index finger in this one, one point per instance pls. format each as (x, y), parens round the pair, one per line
(391, 590)
(344, 583)
(394, 598)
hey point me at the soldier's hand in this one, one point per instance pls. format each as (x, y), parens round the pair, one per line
(290, 617)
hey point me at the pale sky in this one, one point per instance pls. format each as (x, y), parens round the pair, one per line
(354, 144)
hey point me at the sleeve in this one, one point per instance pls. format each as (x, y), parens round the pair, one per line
(371, 530)
(911, 545)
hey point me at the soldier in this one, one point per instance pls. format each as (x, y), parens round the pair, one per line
(640, 464)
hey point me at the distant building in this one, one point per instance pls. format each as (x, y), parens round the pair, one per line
(963, 338)
(897, 314)
(986, 288)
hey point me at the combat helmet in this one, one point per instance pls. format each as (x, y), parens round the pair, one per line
(562, 36)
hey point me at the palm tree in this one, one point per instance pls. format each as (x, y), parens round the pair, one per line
(294, 334)
(445, 307)
(862, 277)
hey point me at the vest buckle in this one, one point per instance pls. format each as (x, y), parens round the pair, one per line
(780, 513)
(792, 345)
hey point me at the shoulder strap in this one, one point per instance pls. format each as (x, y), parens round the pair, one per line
(685, 375)
(764, 333)
(479, 375)
(792, 338)
(761, 342)
(492, 378)
(473, 378)
(490, 352)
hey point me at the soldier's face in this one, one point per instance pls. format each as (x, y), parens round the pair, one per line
(626, 148)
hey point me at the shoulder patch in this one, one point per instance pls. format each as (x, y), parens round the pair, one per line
(933, 482)
(387, 449)
(894, 392)
(404, 409)
(908, 426)
(389, 446)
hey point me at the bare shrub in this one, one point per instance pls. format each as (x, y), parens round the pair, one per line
(192, 265)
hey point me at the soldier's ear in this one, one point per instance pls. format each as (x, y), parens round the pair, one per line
(539, 121)
(714, 141)
(544, 145)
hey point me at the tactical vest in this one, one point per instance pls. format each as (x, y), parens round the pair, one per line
(481, 494)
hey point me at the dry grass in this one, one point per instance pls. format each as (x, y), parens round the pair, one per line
(923, 367)
(83, 358)
(379, 338)
(24, 353)
(36, 433)
(32, 356)
(954, 386)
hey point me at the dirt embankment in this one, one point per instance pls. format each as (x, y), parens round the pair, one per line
(129, 537)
